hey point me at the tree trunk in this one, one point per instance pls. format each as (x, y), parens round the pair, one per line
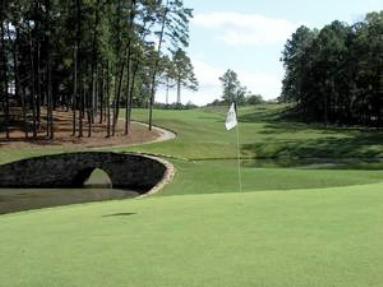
(81, 113)
(167, 91)
(89, 113)
(155, 67)
(18, 89)
(96, 95)
(94, 63)
(128, 86)
(102, 92)
(76, 72)
(129, 111)
(179, 91)
(38, 99)
(50, 97)
(75, 89)
(33, 79)
(50, 127)
(108, 100)
(127, 92)
(119, 88)
(5, 77)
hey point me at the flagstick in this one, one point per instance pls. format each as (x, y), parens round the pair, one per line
(232, 122)
(239, 160)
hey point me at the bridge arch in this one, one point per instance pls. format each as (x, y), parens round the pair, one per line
(71, 170)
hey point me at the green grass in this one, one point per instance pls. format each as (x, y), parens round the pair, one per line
(222, 177)
(202, 137)
(263, 134)
(297, 238)
(296, 226)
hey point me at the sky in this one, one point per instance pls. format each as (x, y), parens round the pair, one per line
(248, 36)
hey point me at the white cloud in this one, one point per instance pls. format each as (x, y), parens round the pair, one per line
(208, 76)
(240, 29)
(266, 84)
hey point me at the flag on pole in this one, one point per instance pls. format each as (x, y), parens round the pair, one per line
(231, 119)
(231, 123)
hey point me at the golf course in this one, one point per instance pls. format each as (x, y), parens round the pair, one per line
(309, 213)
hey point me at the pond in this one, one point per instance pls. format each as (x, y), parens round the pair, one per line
(70, 178)
(96, 188)
(316, 163)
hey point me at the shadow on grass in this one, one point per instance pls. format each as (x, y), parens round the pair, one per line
(122, 214)
(321, 141)
(361, 145)
(278, 121)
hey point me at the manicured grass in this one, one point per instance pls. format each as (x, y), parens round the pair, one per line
(201, 135)
(326, 237)
(263, 134)
(222, 177)
(297, 226)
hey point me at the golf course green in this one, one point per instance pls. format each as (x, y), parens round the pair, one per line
(309, 214)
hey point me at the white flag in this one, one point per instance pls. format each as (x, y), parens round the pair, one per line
(231, 119)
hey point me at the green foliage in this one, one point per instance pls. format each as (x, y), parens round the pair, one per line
(233, 91)
(335, 75)
(254, 100)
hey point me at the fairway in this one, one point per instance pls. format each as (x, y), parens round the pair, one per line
(315, 222)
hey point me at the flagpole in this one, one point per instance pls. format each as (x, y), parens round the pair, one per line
(239, 161)
(238, 153)
(232, 122)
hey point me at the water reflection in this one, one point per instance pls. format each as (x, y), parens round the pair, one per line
(315, 163)
(97, 188)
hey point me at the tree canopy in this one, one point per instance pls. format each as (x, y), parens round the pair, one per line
(233, 91)
(335, 75)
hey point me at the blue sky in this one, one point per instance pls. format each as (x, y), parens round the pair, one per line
(248, 37)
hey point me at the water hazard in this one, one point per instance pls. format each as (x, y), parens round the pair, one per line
(97, 188)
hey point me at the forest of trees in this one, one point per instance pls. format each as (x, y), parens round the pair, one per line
(335, 75)
(90, 58)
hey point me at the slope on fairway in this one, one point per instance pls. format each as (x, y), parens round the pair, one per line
(264, 133)
(324, 237)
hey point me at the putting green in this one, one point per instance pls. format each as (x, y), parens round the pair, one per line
(325, 237)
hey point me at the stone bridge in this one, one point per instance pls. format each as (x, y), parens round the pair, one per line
(71, 170)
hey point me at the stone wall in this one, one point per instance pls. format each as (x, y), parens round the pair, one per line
(71, 170)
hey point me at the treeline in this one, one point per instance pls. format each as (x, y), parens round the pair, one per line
(90, 58)
(248, 100)
(175, 106)
(335, 75)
